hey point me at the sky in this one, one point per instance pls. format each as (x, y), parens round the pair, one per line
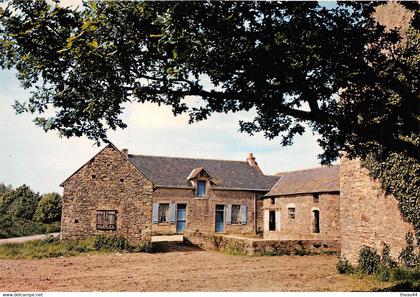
(42, 160)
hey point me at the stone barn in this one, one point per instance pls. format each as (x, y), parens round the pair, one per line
(304, 204)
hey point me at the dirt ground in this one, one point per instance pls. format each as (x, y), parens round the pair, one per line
(184, 269)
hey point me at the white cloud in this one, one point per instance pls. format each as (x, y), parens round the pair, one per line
(152, 116)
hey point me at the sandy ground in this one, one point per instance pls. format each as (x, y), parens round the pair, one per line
(28, 238)
(183, 269)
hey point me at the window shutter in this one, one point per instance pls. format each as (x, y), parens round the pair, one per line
(243, 214)
(228, 214)
(278, 217)
(266, 220)
(155, 213)
(111, 220)
(172, 213)
(99, 219)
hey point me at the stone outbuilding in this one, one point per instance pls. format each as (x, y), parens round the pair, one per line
(304, 204)
(368, 216)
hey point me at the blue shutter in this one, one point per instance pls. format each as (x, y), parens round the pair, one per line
(243, 214)
(228, 214)
(155, 213)
(172, 213)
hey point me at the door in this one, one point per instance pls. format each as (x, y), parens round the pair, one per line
(315, 222)
(181, 217)
(220, 218)
(272, 221)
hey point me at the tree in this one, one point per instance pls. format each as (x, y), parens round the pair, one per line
(49, 208)
(20, 203)
(288, 62)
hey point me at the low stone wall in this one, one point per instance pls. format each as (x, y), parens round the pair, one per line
(255, 246)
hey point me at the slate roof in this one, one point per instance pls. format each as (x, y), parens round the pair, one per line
(173, 172)
(314, 180)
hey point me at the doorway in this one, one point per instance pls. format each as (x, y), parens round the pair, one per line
(272, 220)
(220, 218)
(315, 222)
(181, 217)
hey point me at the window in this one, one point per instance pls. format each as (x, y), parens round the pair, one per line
(316, 197)
(201, 188)
(272, 221)
(163, 212)
(106, 219)
(273, 200)
(235, 214)
(292, 213)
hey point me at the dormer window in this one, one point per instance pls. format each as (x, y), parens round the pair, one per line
(201, 188)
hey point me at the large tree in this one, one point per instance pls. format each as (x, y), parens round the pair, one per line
(335, 70)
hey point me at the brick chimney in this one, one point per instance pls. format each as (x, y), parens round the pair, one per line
(252, 162)
(125, 152)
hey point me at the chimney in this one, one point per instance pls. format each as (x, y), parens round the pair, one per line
(252, 162)
(125, 152)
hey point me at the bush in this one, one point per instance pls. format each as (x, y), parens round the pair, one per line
(344, 267)
(108, 243)
(386, 259)
(407, 255)
(144, 247)
(20, 203)
(49, 208)
(369, 260)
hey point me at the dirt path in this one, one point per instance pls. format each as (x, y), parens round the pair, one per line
(182, 270)
(27, 238)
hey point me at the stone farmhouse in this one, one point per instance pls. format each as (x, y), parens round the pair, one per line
(138, 196)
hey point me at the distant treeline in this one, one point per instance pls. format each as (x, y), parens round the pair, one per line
(24, 212)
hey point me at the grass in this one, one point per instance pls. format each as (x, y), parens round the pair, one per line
(50, 248)
(395, 279)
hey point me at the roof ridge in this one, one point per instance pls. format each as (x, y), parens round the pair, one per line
(306, 169)
(190, 158)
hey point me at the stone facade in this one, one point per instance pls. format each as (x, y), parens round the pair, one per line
(367, 215)
(201, 210)
(111, 182)
(107, 182)
(301, 227)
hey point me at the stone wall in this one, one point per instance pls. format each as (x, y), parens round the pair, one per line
(368, 216)
(201, 211)
(301, 226)
(253, 246)
(107, 182)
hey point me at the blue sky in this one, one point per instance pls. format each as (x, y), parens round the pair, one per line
(42, 160)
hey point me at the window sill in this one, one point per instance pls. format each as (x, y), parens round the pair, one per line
(201, 197)
(165, 223)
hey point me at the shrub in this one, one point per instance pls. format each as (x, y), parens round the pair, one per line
(302, 252)
(114, 243)
(144, 247)
(49, 208)
(369, 260)
(407, 255)
(386, 259)
(344, 267)
(21, 202)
